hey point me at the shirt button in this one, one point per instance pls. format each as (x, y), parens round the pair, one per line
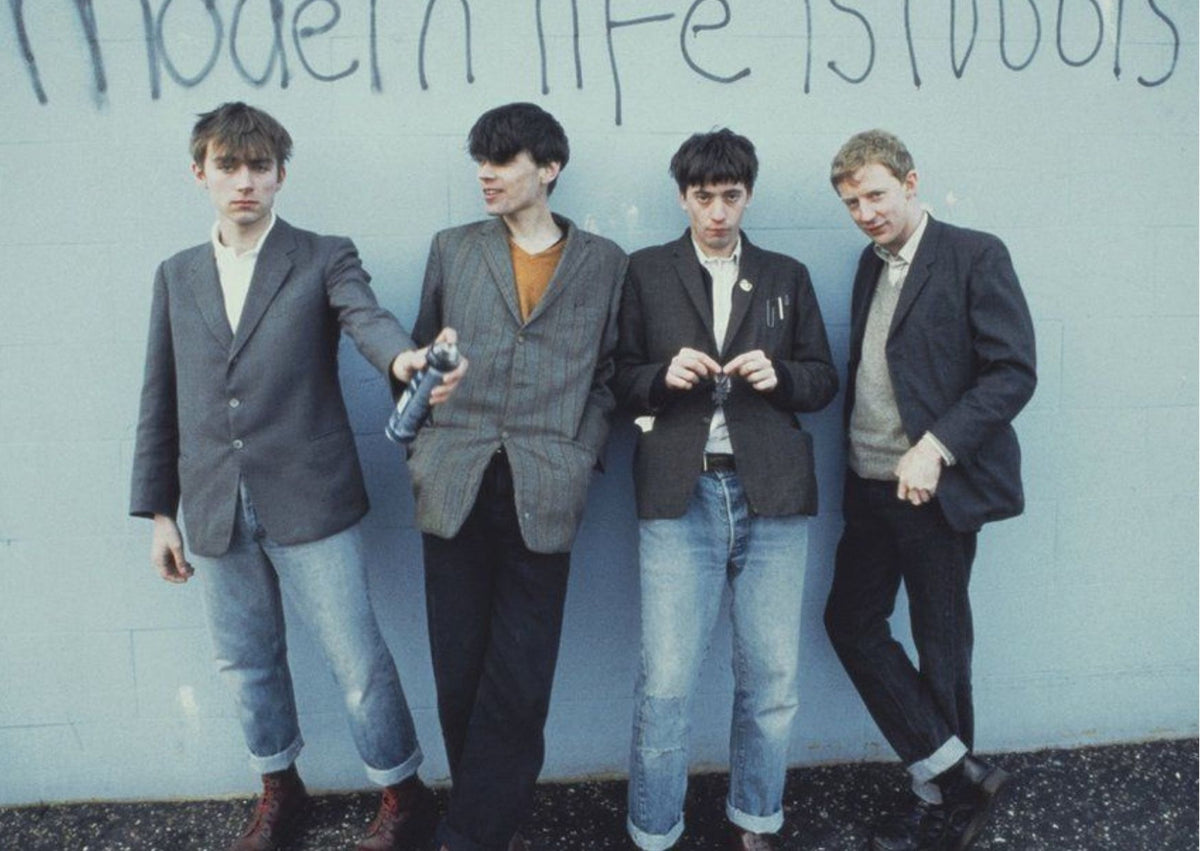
(504, 435)
(237, 444)
(233, 403)
(520, 338)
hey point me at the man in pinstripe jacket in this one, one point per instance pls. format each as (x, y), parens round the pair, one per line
(501, 471)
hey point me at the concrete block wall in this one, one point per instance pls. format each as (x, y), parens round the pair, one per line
(1074, 138)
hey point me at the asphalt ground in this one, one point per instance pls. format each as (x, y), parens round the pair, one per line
(1138, 797)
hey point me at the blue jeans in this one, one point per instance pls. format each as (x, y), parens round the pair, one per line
(686, 563)
(326, 582)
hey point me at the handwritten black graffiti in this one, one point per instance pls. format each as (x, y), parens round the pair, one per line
(696, 29)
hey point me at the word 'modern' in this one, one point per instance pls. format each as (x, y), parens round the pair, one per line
(695, 33)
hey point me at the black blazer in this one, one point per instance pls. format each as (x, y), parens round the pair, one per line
(665, 307)
(262, 405)
(960, 353)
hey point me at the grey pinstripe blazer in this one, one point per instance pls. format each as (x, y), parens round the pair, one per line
(538, 388)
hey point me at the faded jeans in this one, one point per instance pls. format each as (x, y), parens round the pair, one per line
(326, 582)
(686, 563)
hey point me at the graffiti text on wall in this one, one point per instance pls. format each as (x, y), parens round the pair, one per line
(1051, 25)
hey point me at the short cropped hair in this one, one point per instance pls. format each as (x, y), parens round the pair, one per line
(721, 156)
(871, 146)
(500, 134)
(241, 131)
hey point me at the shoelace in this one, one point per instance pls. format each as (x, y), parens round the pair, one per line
(267, 803)
(389, 809)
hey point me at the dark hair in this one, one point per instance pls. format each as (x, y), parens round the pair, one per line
(721, 156)
(871, 146)
(502, 133)
(243, 132)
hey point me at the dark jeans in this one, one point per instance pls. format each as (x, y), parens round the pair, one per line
(887, 540)
(495, 615)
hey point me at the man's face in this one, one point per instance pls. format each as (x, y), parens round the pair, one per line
(517, 185)
(884, 208)
(241, 190)
(715, 214)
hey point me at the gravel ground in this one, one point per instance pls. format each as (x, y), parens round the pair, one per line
(1125, 797)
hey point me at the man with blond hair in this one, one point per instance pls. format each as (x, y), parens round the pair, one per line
(941, 361)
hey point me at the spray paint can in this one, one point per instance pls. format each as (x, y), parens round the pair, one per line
(412, 409)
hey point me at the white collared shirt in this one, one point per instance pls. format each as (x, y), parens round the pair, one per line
(895, 266)
(235, 271)
(724, 274)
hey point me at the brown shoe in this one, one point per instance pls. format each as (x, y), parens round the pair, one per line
(744, 840)
(518, 843)
(279, 814)
(406, 819)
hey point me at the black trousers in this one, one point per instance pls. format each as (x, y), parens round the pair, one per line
(495, 616)
(886, 541)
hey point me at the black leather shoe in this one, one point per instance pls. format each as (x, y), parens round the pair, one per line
(971, 798)
(745, 840)
(922, 827)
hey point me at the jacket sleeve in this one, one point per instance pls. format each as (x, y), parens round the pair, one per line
(594, 422)
(1003, 352)
(807, 378)
(375, 331)
(155, 485)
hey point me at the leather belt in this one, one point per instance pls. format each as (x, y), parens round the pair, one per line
(718, 462)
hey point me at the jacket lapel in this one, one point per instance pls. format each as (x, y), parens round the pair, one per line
(498, 257)
(748, 271)
(693, 279)
(271, 270)
(864, 292)
(918, 274)
(211, 300)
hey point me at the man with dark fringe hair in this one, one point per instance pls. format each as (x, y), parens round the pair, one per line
(501, 473)
(721, 347)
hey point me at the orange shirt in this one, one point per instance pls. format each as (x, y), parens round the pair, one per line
(533, 273)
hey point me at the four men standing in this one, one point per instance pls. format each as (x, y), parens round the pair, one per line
(715, 345)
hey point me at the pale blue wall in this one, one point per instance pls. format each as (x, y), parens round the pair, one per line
(1086, 606)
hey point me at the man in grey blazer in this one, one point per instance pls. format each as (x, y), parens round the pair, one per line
(721, 346)
(501, 471)
(941, 361)
(242, 420)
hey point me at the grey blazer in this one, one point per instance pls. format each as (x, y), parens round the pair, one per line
(666, 306)
(264, 405)
(538, 388)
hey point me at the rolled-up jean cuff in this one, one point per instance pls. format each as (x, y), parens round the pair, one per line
(654, 841)
(941, 760)
(392, 776)
(277, 762)
(754, 824)
(928, 791)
